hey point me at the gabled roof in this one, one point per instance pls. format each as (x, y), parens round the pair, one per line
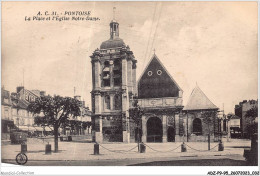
(155, 57)
(199, 101)
(235, 117)
(35, 92)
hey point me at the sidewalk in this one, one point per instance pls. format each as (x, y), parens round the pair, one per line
(78, 151)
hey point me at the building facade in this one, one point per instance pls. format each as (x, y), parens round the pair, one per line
(240, 111)
(160, 98)
(114, 84)
(16, 117)
(80, 125)
(20, 100)
(6, 114)
(200, 118)
(234, 125)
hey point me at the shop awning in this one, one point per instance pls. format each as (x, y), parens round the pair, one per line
(48, 128)
(38, 128)
(26, 128)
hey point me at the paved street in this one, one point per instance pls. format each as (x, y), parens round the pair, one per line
(232, 160)
(81, 153)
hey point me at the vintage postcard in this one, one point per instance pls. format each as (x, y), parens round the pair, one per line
(129, 84)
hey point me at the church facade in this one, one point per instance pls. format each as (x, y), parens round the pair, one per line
(115, 88)
(160, 98)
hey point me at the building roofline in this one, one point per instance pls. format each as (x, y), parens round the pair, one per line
(154, 56)
(197, 87)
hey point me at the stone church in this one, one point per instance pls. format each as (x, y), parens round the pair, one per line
(159, 96)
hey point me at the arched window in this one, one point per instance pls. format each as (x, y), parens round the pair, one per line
(107, 102)
(117, 102)
(117, 72)
(197, 126)
(106, 63)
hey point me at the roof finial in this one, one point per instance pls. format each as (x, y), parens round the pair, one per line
(114, 12)
(154, 51)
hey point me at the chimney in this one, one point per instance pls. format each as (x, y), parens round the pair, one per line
(42, 93)
(19, 88)
(14, 96)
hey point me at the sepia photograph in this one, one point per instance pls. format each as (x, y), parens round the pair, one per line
(141, 83)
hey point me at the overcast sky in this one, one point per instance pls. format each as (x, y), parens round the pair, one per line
(211, 43)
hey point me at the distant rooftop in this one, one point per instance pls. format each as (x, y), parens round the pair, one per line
(199, 101)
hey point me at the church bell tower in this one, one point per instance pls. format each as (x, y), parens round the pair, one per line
(113, 87)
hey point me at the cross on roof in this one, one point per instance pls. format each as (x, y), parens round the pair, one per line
(114, 12)
(154, 51)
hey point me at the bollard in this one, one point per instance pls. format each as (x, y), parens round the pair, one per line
(23, 148)
(183, 147)
(254, 143)
(254, 150)
(69, 138)
(220, 146)
(48, 149)
(142, 147)
(96, 149)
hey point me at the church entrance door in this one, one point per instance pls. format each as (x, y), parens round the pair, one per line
(171, 134)
(154, 130)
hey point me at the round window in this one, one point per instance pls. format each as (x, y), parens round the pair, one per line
(159, 72)
(150, 73)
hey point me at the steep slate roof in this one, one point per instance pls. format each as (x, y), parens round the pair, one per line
(199, 101)
(21, 104)
(158, 60)
(159, 83)
(35, 92)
